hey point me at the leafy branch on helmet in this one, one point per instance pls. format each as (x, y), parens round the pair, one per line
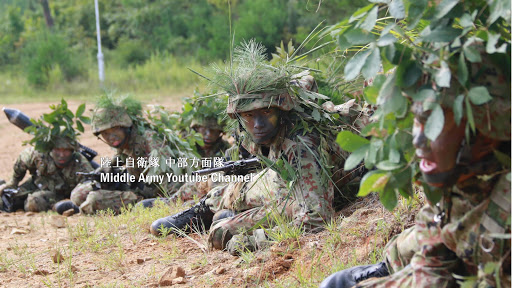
(57, 126)
(112, 110)
(437, 52)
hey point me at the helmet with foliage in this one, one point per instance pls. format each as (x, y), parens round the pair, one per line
(55, 129)
(112, 111)
(204, 110)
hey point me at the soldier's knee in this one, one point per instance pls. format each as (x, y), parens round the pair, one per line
(80, 193)
(219, 237)
(88, 206)
(35, 204)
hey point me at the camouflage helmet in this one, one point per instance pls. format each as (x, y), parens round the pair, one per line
(208, 122)
(247, 102)
(106, 118)
(65, 143)
(280, 99)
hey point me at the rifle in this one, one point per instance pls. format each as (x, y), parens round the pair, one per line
(22, 121)
(96, 179)
(240, 167)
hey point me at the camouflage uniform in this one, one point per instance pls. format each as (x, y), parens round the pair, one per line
(91, 199)
(468, 232)
(48, 183)
(461, 243)
(192, 190)
(308, 202)
(140, 145)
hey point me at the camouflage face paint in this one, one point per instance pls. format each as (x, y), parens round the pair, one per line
(61, 156)
(210, 136)
(115, 137)
(262, 124)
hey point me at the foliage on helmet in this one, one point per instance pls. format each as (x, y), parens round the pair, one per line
(204, 110)
(252, 82)
(115, 111)
(435, 52)
(58, 129)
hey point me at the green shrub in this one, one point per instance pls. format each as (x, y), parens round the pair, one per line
(44, 53)
(131, 52)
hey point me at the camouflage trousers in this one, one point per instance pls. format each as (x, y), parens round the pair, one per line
(32, 199)
(90, 199)
(430, 254)
(257, 203)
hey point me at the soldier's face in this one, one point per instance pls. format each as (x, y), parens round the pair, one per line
(114, 136)
(61, 156)
(210, 136)
(262, 124)
(440, 155)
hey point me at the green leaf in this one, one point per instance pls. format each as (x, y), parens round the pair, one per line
(373, 181)
(397, 9)
(462, 71)
(466, 20)
(503, 158)
(390, 98)
(355, 158)
(386, 39)
(372, 64)
(443, 75)
(416, 10)
(479, 95)
(435, 123)
(469, 114)
(349, 141)
(316, 115)
(394, 156)
(425, 94)
(80, 110)
(442, 34)
(408, 73)
(387, 165)
(499, 8)
(355, 64)
(79, 126)
(388, 198)
(360, 13)
(371, 92)
(370, 20)
(457, 108)
(343, 43)
(491, 44)
(444, 7)
(359, 37)
(433, 194)
(85, 119)
(472, 54)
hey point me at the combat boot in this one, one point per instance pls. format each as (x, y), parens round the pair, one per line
(197, 218)
(351, 276)
(65, 205)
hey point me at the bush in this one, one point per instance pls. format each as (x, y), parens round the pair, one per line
(44, 53)
(131, 52)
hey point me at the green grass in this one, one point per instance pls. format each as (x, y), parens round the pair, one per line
(160, 77)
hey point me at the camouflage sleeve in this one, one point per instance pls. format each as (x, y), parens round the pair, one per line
(312, 188)
(25, 161)
(83, 166)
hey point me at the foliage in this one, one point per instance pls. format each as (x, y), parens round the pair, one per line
(59, 123)
(46, 52)
(426, 50)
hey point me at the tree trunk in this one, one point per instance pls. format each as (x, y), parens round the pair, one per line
(47, 14)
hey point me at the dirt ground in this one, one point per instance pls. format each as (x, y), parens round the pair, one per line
(29, 243)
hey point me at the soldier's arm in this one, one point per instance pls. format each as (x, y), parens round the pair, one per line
(83, 166)
(25, 161)
(313, 188)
